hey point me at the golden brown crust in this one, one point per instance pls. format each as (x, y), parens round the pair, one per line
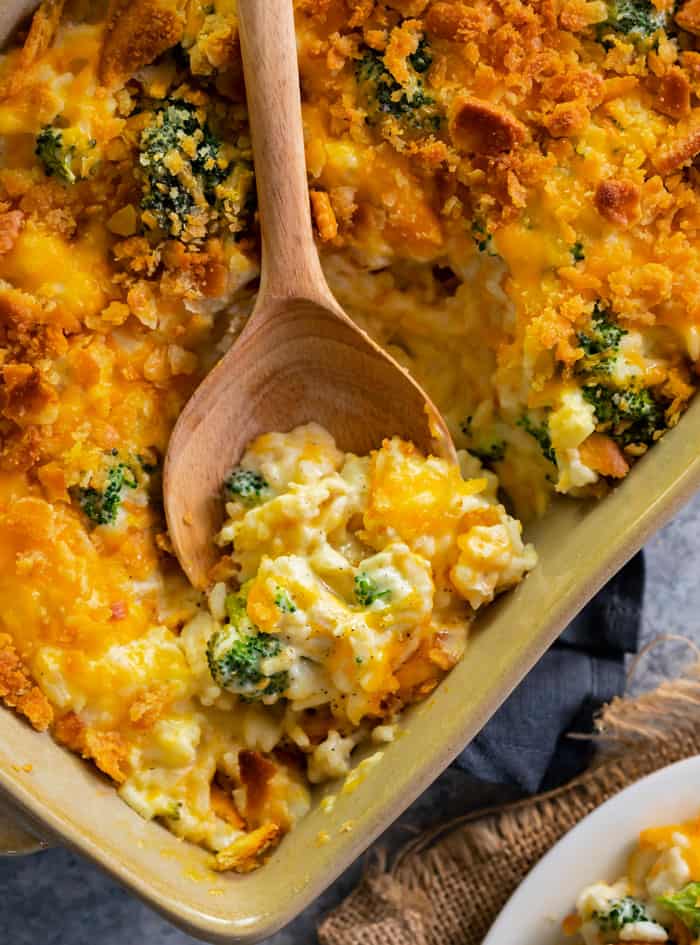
(688, 17)
(26, 397)
(249, 851)
(360, 11)
(11, 223)
(617, 201)
(106, 748)
(577, 15)
(149, 705)
(407, 8)
(478, 127)
(17, 689)
(567, 119)
(403, 42)
(682, 149)
(324, 215)
(54, 205)
(455, 21)
(604, 456)
(574, 84)
(137, 32)
(223, 806)
(673, 94)
(194, 274)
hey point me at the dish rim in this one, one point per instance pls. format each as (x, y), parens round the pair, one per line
(212, 928)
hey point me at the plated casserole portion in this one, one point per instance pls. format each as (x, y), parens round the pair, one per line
(504, 196)
(658, 900)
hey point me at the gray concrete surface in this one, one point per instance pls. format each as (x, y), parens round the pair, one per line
(55, 898)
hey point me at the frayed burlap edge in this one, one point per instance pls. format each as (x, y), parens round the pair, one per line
(447, 886)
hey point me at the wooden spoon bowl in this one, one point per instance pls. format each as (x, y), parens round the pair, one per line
(300, 358)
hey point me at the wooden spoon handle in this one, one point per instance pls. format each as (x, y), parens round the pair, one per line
(290, 264)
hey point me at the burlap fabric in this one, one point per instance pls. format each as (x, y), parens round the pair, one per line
(447, 886)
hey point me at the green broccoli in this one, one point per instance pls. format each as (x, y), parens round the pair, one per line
(284, 602)
(183, 166)
(236, 652)
(102, 505)
(620, 912)
(604, 335)
(367, 591)
(577, 251)
(628, 415)
(170, 158)
(421, 60)
(385, 97)
(685, 904)
(600, 343)
(53, 155)
(540, 432)
(633, 18)
(482, 238)
(249, 487)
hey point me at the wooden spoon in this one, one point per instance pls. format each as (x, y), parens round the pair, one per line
(299, 358)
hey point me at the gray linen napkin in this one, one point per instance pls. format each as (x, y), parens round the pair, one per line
(525, 744)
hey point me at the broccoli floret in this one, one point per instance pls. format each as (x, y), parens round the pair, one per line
(385, 97)
(249, 487)
(53, 155)
(604, 334)
(577, 252)
(482, 238)
(235, 663)
(183, 166)
(628, 415)
(633, 18)
(235, 605)
(102, 505)
(620, 912)
(284, 602)
(541, 434)
(236, 652)
(684, 905)
(421, 60)
(367, 590)
(600, 343)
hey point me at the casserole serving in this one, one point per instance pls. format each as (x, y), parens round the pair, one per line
(129, 230)
(655, 900)
(603, 847)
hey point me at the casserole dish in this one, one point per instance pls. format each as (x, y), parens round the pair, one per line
(580, 546)
(516, 634)
(598, 848)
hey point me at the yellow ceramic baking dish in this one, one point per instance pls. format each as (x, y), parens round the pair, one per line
(580, 545)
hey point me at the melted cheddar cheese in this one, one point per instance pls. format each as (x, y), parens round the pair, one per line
(493, 184)
(504, 196)
(360, 575)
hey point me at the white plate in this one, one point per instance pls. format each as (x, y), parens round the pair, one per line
(596, 848)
